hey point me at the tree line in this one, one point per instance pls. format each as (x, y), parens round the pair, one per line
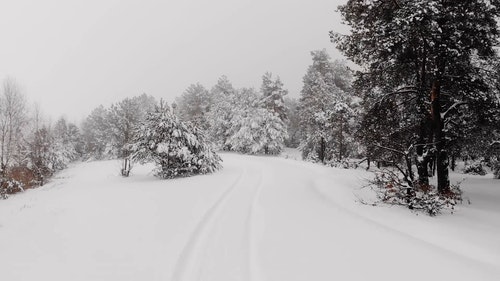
(243, 120)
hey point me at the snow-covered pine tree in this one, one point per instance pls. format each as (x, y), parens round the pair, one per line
(254, 128)
(66, 142)
(293, 122)
(178, 149)
(322, 108)
(193, 105)
(223, 97)
(273, 95)
(425, 52)
(97, 134)
(240, 136)
(340, 119)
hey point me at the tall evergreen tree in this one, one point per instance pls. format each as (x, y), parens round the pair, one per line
(429, 53)
(321, 105)
(66, 141)
(223, 97)
(193, 105)
(293, 122)
(273, 95)
(97, 135)
(255, 128)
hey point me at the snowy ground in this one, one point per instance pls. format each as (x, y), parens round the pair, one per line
(260, 218)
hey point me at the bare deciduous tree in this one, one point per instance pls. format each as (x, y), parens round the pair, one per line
(12, 120)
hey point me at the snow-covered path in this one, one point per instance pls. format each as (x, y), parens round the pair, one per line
(258, 219)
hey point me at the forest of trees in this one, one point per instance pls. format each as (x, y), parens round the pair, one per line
(426, 95)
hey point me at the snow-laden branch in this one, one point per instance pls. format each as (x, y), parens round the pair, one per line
(391, 149)
(454, 106)
(402, 90)
(496, 142)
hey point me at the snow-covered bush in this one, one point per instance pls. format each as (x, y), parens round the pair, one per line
(475, 168)
(177, 148)
(393, 190)
(9, 186)
(342, 164)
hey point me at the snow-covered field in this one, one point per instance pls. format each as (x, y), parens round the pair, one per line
(260, 218)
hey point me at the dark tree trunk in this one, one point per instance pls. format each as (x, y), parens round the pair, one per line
(341, 139)
(453, 162)
(422, 149)
(439, 140)
(322, 148)
(411, 176)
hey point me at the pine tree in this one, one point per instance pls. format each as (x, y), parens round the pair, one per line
(255, 128)
(293, 123)
(322, 105)
(193, 105)
(273, 95)
(223, 97)
(426, 52)
(97, 134)
(178, 149)
(65, 141)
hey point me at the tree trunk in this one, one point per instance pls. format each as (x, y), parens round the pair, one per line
(411, 177)
(422, 148)
(439, 140)
(453, 162)
(422, 158)
(322, 148)
(341, 139)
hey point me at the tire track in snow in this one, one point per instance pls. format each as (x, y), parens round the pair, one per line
(254, 271)
(189, 263)
(240, 214)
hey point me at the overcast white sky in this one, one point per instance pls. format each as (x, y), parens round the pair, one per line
(71, 56)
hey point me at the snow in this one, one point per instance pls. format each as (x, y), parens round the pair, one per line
(260, 218)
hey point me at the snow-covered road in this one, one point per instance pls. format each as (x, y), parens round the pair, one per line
(260, 218)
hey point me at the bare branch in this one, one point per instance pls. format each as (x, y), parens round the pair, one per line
(390, 149)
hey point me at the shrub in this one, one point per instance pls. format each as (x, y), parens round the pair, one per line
(393, 190)
(475, 168)
(9, 186)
